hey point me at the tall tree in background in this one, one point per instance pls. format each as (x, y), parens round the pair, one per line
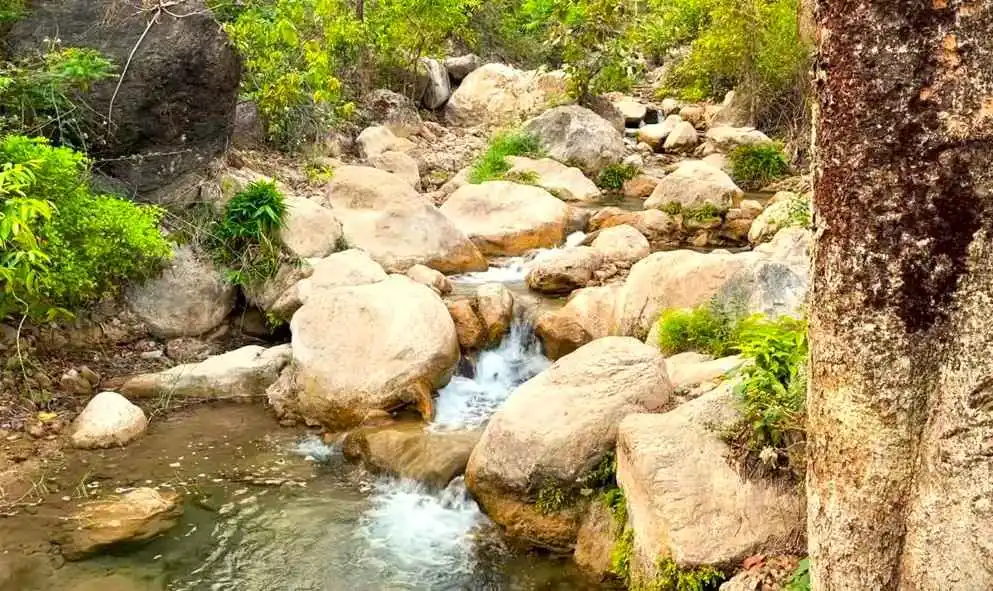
(900, 479)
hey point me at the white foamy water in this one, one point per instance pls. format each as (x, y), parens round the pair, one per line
(313, 449)
(467, 403)
(418, 538)
(515, 269)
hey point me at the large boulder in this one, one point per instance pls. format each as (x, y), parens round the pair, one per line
(109, 420)
(497, 94)
(135, 516)
(655, 134)
(393, 111)
(555, 430)
(310, 230)
(240, 374)
(675, 279)
(395, 337)
(686, 502)
(560, 335)
(383, 215)
(661, 229)
(578, 137)
(173, 109)
(410, 451)
(682, 138)
(564, 271)
(586, 316)
(565, 182)
(439, 87)
(189, 298)
(776, 283)
(508, 219)
(695, 184)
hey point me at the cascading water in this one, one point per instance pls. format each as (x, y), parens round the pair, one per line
(424, 538)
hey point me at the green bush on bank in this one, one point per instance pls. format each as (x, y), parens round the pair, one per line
(755, 166)
(245, 240)
(772, 384)
(62, 246)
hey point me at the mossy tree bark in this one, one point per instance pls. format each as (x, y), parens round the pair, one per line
(900, 478)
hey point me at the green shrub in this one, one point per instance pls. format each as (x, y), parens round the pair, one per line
(757, 165)
(706, 212)
(613, 176)
(493, 165)
(801, 577)
(11, 10)
(63, 246)
(37, 94)
(711, 329)
(773, 387)
(750, 45)
(672, 208)
(613, 498)
(246, 239)
(670, 577)
(552, 499)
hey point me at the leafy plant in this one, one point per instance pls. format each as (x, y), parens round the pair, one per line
(706, 212)
(11, 10)
(669, 577)
(615, 501)
(63, 246)
(551, 499)
(246, 239)
(755, 166)
(672, 208)
(613, 176)
(620, 556)
(799, 215)
(38, 95)
(712, 329)
(772, 391)
(801, 577)
(493, 165)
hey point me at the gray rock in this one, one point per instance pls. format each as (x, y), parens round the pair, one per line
(463, 65)
(439, 88)
(108, 420)
(578, 137)
(393, 111)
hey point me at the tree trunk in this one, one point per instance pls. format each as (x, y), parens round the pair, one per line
(900, 476)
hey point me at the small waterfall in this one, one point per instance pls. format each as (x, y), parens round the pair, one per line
(423, 539)
(467, 403)
(515, 269)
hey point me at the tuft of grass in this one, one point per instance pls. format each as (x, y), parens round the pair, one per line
(613, 176)
(318, 173)
(757, 165)
(670, 577)
(620, 557)
(672, 208)
(615, 501)
(246, 239)
(493, 165)
(711, 329)
(522, 177)
(705, 213)
(799, 215)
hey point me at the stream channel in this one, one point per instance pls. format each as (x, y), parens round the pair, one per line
(276, 509)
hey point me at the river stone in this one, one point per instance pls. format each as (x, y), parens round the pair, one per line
(565, 182)
(560, 335)
(135, 516)
(279, 295)
(393, 111)
(309, 230)
(461, 66)
(439, 87)
(682, 138)
(468, 326)
(556, 428)
(400, 164)
(507, 219)
(109, 420)
(655, 134)
(726, 138)
(660, 228)
(598, 534)
(687, 502)
(495, 305)
(564, 271)
(774, 217)
(385, 217)
(395, 337)
(674, 279)
(578, 137)
(695, 114)
(377, 139)
(497, 94)
(622, 244)
(687, 374)
(632, 111)
(433, 279)
(408, 450)
(189, 298)
(640, 187)
(240, 374)
(693, 185)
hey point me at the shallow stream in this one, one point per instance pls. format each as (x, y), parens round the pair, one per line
(272, 509)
